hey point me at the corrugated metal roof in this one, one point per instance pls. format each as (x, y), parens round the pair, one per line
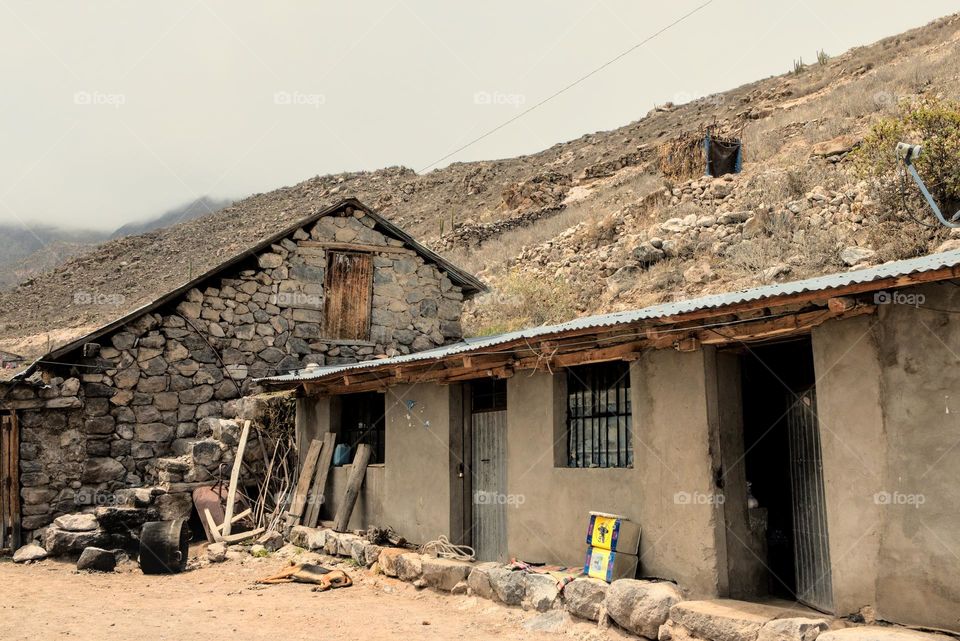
(716, 301)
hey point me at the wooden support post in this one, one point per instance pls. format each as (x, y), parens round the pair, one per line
(357, 473)
(234, 479)
(317, 498)
(303, 483)
(213, 533)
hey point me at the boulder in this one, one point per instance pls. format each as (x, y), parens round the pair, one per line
(509, 586)
(854, 255)
(59, 542)
(217, 552)
(584, 597)
(97, 559)
(409, 567)
(271, 541)
(345, 544)
(372, 554)
(31, 552)
(444, 574)
(76, 522)
(835, 147)
(793, 629)
(541, 591)
(479, 580)
(125, 520)
(308, 538)
(388, 560)
(723, 619)
(174, 506)
(358, 551)
(331, 542)
(641, 607)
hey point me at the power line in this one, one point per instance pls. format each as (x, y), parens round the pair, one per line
(569, 86)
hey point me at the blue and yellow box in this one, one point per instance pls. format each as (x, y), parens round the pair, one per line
(608, 566)
(614, 533)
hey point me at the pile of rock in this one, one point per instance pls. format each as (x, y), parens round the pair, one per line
(638, 606)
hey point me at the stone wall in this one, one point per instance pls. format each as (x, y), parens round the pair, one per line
(140, 400)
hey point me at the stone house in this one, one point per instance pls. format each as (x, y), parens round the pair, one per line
(794, 441)
(104, 412)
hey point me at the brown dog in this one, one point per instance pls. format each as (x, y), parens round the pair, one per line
(324, 578)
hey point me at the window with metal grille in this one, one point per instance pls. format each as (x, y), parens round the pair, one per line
(599, 416)
(362, 421)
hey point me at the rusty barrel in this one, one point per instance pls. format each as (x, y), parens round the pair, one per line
(164, 546)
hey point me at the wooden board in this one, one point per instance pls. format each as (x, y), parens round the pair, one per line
(357, 473)
(303, 483)
(234, 479)
(9, 482)
(349, 295)
(317, 497)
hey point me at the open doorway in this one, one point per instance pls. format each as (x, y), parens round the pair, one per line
(781, 461)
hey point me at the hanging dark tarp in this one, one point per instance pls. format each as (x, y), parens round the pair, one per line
(724, 155)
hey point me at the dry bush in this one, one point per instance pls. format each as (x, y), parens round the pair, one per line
(930, 122)
(524, 300)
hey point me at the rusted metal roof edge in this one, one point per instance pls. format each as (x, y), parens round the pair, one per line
(782, 293)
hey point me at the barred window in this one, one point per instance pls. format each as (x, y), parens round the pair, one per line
(362, 421)
(599, 416)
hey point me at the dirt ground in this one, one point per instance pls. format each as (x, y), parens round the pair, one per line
(51, 600)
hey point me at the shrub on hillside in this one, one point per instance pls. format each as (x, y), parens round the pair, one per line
(932, 123)
(521, 300)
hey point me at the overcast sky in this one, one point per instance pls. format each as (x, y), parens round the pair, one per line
(116, 111)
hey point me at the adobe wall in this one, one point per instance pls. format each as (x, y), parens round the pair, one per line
(669, 491)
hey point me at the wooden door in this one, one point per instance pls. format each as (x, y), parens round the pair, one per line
(348, 294)
(488, 470)
(9, 482)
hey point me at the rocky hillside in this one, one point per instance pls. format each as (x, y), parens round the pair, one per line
(587, 225)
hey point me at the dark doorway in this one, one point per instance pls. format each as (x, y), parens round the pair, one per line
(783, 470)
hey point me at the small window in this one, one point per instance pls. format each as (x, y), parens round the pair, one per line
(488, 395)
(598, 416)
(361, 421)
(348, 292)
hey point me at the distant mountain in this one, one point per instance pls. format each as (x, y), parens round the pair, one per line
(196, 209)
(28, 251)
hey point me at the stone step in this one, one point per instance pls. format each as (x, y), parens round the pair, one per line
(880, 633)
(731, 620)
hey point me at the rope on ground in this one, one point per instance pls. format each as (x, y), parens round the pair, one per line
(444, 549)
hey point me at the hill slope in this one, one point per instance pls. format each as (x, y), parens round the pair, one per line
(587, 225)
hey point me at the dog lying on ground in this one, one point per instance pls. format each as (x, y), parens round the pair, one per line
(324, 578)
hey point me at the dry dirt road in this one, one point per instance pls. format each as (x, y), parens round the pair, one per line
(50, 600)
